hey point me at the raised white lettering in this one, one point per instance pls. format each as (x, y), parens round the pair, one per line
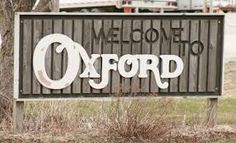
(140, 64)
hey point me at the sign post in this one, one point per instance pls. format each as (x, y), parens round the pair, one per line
(212, 103)
(74, 56)
(211, 112)
(18, 106)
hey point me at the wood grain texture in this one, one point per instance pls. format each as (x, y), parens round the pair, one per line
(107, 46)
(116, 49)
(202, 77)
(47, 29)
(127, 36)
(165, 44)
(87, 34)
(155, 48)
(193, 63)
(97, 49)
(212, 56)
(126, 50)
(136, 49)
(68, 31)
(27, 54)
(57, 57)
(78, 37)
(185, 49)
(146, 49)
(174, 51)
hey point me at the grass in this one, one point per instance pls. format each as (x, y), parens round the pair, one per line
(190, 107)
(179, 108)
(125, 121)
(227, 111)
(183, 110)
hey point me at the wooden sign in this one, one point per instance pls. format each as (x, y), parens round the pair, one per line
(103, 55)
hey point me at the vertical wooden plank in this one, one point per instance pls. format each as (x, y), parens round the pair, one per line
(136, 49)
(203, 57)
(107, 50)
(97, 49)
(37, 35)
(68, 32)
(212, 56)
(47, 29)
(220, 55)
(184, 50)
(174, 51)
(146, 46)
(87, 46)
(155, 51)
(193, 67)
(27, 54)
(57, 57)
(116, 49)
(126, 50)
(165, 43)
(78, 29)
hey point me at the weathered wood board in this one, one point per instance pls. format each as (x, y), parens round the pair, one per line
(197, 39)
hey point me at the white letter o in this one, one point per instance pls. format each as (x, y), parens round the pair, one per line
(39, 61)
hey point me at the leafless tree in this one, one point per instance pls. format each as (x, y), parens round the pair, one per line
(7, 11)
(8, 8)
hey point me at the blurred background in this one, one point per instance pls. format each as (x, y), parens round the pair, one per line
(228, 7)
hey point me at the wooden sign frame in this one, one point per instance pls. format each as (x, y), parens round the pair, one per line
(206, 24)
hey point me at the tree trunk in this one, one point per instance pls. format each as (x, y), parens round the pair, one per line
(7, 12)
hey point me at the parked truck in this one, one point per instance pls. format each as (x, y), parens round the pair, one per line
(225, 5)
(149, 5)
(116, 5)
(153, 5)
(190, 5)
(200, 5)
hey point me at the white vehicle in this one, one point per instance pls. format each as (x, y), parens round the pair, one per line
(199, 5)
(190, 5)
(165, 5)
(224, 3)
(101, 5)
(87, 5)
(152, 5)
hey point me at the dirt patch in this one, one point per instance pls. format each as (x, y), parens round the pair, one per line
(179, 135)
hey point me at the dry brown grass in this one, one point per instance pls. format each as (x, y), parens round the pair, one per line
(135, 121)
(117, 121)
(121, 121)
